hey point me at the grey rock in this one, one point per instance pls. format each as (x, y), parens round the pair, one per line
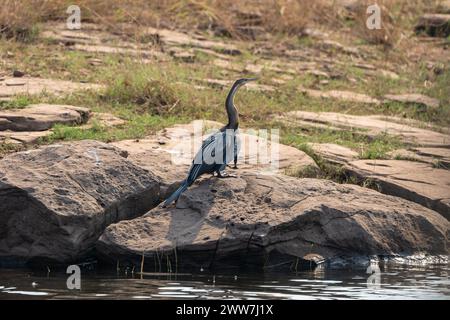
(56, 201)
(230, 223)
(412, 180)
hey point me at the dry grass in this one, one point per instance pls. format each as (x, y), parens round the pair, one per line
(397, 19)
(237, 19)
(223, 17)
(15, 22)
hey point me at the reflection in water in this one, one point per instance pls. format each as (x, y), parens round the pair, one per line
(393, 282)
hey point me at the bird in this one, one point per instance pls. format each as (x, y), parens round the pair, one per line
(216, 150)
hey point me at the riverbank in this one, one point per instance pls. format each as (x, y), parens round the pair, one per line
(97, 127)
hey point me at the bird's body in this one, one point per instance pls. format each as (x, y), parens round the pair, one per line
(217, 150)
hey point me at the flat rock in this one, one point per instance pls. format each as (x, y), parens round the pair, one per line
(171, 37)
(371, 125)
(412, 180)
(434, 24)
(370, 69)
(227, 84)
(29, 85)
(334, 153)
(408, 154)
(272, 222)
(414, 98)
(439, 154)
(183, 54)
(104, 119)
(169, 153)
(226, 64)
(334, 45)
(318, 73)
(347, 96)
(99, 41)
(25, 137)
(59, 32)
(437, 157)
(40, 117)
(137, 52)
(56, 206)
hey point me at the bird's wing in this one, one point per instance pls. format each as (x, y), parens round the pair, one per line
(194, 172)
(237, 145)
(207, 150)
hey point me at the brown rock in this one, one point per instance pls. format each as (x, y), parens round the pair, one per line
(411, 180)
(226, 84)
(334, 45)
(26, 137)
(169, 153)
(40, 117)
(28, 85)
(441, 155)
(334, 153)
(370, 125)
(175, 38)
(435, 25)
(119, 50)
(227, 223)
(414, 98)
(14, 82)
(437, 157)
(340, 95)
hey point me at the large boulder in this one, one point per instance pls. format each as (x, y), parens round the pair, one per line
(271, 221)
(57, 200)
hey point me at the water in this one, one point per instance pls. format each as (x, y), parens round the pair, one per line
(394, 282)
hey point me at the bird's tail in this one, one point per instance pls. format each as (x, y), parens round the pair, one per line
(176, 194)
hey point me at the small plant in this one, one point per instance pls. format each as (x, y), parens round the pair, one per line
(7, 147)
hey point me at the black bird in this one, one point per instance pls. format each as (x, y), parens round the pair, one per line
(217, 149)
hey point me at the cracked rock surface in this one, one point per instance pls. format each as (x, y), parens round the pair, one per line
(273, 221)
(56, 201)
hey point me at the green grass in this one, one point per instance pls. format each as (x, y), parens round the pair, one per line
(137, 127)
(19, 102)
(156, 95)
(368, 147)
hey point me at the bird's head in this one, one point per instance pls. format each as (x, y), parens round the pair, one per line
(241, 82)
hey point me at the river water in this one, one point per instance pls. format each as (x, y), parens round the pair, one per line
(391, 282)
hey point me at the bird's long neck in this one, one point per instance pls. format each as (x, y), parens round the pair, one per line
(232, 112)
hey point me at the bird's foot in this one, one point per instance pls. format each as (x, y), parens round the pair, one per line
(224, 174)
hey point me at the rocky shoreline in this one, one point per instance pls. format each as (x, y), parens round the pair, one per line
(66, 202)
